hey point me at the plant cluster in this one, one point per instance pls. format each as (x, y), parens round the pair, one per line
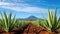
(7, 22)
(52, 24)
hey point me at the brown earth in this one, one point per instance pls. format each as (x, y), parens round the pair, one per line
(29, 29)
(8, 33)
(44, 32)
(32, 29)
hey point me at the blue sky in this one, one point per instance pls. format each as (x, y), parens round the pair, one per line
(26, 8)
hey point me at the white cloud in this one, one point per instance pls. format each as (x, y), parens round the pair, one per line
(5, 4)
(34, 9)
(11, 0)
(22, 7)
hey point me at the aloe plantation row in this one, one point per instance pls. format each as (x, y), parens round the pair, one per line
(52, 24)
(8, 24)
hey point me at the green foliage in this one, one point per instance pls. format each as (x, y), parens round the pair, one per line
(6, 22)
(36, 22)
(24, 23)
(21, 23)
(52, 23)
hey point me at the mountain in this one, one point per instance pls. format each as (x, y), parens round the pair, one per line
(30, 18)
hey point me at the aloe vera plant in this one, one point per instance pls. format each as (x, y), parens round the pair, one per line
(21, 23)
(52, 23)
(36, 22)
(7, 22)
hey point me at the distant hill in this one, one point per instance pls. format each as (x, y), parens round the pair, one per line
(30, 18)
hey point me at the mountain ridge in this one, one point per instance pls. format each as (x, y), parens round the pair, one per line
(30, 18)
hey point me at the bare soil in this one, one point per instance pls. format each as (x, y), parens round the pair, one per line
(29, 29)
(32, 29)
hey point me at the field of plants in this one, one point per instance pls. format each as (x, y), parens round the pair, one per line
(9, 25)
